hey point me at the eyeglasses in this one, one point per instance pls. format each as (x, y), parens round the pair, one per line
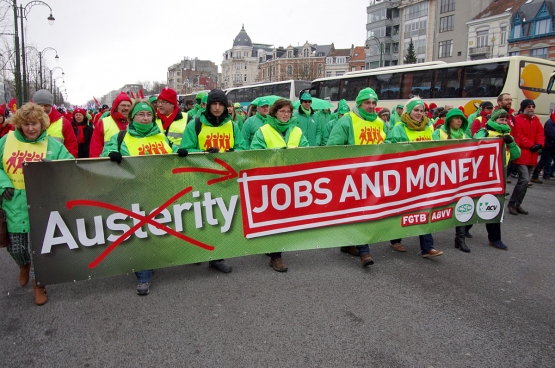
(307, 102)
(531, 106)
(285, 112)
(164, 102)
(144, 115)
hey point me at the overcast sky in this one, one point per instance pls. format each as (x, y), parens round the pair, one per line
(104, 44)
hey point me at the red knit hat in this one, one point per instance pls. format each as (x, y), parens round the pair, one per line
(81, 111)
(169, 95)
(3, 110)
(432, 105)
(119, 99)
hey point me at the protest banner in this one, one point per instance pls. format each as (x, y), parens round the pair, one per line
(97, 218)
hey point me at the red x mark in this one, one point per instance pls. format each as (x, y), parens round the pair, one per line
(228, 173)
(143, 220)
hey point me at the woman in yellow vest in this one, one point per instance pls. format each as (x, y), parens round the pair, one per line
(414, 126)
(142, 137)
(279, 132)
(28, 142)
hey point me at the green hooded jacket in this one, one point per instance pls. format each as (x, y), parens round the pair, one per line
(309, 125)
(258, 141)
(460, 134)
(342, 130)
(190, 137)
(251, 126)
(514, 150)
(112, 144)
(16, 209)
(398, 134)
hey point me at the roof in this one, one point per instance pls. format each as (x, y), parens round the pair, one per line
(324, 49)
(498, 7)
(242, 39)
(529, 9)
(341, 52)
(358, 54)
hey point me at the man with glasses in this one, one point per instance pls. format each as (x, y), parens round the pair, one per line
(252, 124)
(112, 124)
(170, 119)
(307, 120)
(529, 137)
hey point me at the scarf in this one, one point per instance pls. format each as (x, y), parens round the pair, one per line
(307, 112)
(168, 120)
(369, 116)
(413, 124)
(81, 133)
(499, 128)
(278, 125)
(142, 129)
(262, 117)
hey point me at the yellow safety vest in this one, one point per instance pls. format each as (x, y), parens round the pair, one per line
(176, 129)
(55, 130)
(16, 153)
(420, 135)
(151, 145)
(274, 139)
(110, 128)
(220, 137)
(367, 132)
(443, 135)
(493, 133)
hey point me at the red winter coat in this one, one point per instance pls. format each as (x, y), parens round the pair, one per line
(527, 132)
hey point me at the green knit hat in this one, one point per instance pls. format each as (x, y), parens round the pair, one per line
(343, 109)
(141, 106)
(153, 98)
(204, 99)
(305, 97)
(366, 94)
(412, 104)
(496, 113)
(200, 95)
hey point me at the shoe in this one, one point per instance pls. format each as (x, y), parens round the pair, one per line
(548, 178)
(352, 250)
(536, 180)
(40, 294)
(143, 288)
(530, 184)
(278, 265)
(521, 210)
(514, 175)
(512, 210)
(398, 247)
(509, 181)
(220, 265)
(24, 274)
(467, 234)
(432, 253)
(366, 260)
(462, 247)
(499, 245)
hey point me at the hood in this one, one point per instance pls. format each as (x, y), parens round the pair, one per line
(451, 114)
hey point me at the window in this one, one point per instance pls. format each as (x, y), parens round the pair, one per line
(447, 23)
(447, 6)
(238, 66)
(245, 77)
(376, 32)
(263, 73)
(328, 74)
(351, 87)
(305, 69)
(517, 30)
(514, 53)
(482, 39)
(417, 10)
(353, 68)
(329, 60)
(374, 64)
(415, 29)
(305, 53)
(541, 53)
(445, 49)
(237, 78)
(289, 69)
(542, 27)
(503, 37)
(289, 54)
(377, 15)
(320, 68)
(339, 74)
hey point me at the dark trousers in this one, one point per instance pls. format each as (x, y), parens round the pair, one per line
(521, 186)
(546, 156)
(426, 242)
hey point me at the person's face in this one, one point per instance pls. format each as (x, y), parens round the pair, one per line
(417, 112)
(46, 108)
(306, 104)
(155, 104)
(399, 110)
(264, 110)
(124, 107)
(79, 117)
(456, 122)
(384, 116)
(230, 109)
(190, 106)
(217, 108)
(501, 121)
(488, 110)
(368, 106)
(283, 114)
(31, 130)
(506, 102)
(165, 107)
(448, 107)
(529, 110)
(143, 117)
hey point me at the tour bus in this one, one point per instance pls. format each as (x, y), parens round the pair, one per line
(189, 96)
(290, 89)
(463, 84)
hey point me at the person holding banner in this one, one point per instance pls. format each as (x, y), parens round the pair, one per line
(169, 117)
(252, 124)
(28, 142)
(414, 127)
(279, 132)
(361, 126)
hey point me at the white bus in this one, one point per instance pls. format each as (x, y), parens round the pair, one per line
(458, 84)
(290, 89)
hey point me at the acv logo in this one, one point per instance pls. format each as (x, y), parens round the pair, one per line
(488, 207)
(464, 209)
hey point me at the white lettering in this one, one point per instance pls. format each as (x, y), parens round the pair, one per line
(55, 221)
(299, 193)
(349, 190)
(320, 190)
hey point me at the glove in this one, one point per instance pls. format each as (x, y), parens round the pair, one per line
(115, 156)
(230, 150)
(213, 150)
(535, 148)
(182, 152)
(8, 193)
(508, 139)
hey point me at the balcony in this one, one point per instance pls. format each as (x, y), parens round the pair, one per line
(483, 51)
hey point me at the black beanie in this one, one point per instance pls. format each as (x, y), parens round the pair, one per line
(216, 95)
(524, 104)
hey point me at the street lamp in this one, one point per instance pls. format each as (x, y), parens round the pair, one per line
(40, 60)
(380, 47)
(51, 72)
(22, 13)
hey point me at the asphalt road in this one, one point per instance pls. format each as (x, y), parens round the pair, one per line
(488, 308)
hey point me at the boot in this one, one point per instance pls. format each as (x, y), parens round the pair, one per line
(24, 274)
(460, 242)
(40, 294)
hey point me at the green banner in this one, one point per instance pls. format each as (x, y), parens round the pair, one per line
(98, 218)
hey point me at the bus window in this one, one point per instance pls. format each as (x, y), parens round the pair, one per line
(267, 90)
(330, 89)
(550, 84)
(389, 86)
(283, 90)
(417, 84)
(448, 83)
(485, 80)
(351, 87)
(232, 95)
(255, 92)
(301, 85)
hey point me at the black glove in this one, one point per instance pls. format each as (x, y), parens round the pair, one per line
(182, 152)
(535, 148)
(8, 193)
(115, 156)
(230, 150)
(508, 139)
(213, 150)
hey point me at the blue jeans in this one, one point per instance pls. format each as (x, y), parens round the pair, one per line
(363, 249)
(544, 163)
(426, 242)
(143, 276)
(521, 185)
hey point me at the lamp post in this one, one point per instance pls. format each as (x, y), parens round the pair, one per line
(56, 90)
(380, 47)
(40, 60)
(22, 13)
(51, 72)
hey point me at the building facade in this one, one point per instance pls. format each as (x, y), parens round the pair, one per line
(192, 75)
(532, 32)
(383, 33)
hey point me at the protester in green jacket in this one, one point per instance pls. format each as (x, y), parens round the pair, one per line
(342, 110)
(197, 107)
(452, 128)
(306, 120)
(323, 117)
(251, 125)
(396, 115)
(29, 137)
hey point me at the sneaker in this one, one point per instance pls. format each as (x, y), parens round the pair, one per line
(536, 180)
(220, 265)
(512, 210)
(432, 253)
(352, 250)
(521, 210)
(366, 260)
(398, 247)
(278, 265)
(499, 245)
(143, 288)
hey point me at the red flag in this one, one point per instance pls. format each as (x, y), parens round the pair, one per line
(132, 95)
(13, 105)
(142, 94)
(95, 100)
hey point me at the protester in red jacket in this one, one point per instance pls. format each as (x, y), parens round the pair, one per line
(110, 125)
(480, 122)
(5, 127)
(529, 137)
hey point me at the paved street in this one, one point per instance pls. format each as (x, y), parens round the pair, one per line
(489, 308)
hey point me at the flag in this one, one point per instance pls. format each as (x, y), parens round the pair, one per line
(12, 105)
(95, 100)
(132, 95)
(142, 94)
